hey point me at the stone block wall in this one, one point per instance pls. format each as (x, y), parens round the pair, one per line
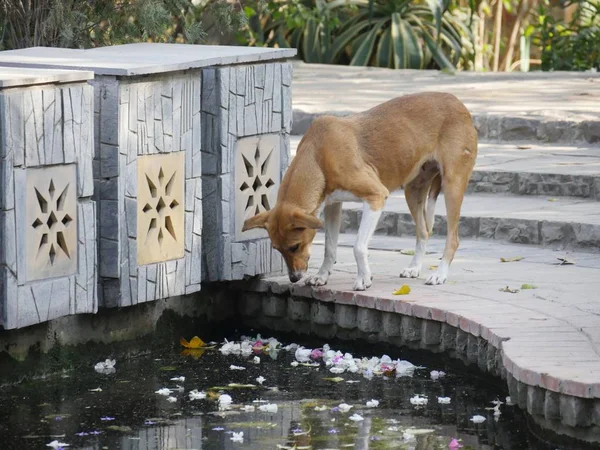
(246, 121)
(47, 217)
(147, 170)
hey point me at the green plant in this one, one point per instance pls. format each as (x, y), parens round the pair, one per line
(306, 25)
(402, 34)
(94, 23)
(568, 46)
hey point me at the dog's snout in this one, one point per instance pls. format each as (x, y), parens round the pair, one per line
(295, 276)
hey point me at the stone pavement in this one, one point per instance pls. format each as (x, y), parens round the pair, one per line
(556, 106)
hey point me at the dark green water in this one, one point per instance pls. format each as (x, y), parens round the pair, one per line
(128, 414)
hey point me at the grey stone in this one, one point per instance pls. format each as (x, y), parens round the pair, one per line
(557, 234)
(596, 413)
(368, 320)
(492, 359)
(552, 408)
(109, 161)
(411, 329)
(431, 332)
(448, 337)
(274, 306)
(461, 342)
(109, 126)
(322, 313)
(345, 316)
(575, 411)
(108, 256)
(406, 225)
(482, 354)
(298, 310)
(519, 128)
(586, 236)
(391, 324)
(249, 304)
(388, 223)
(472, 348)
(591, 130)
(535, 400)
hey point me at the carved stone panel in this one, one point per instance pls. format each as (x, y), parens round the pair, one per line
(257, 173)
(160, 207)
(49, 228)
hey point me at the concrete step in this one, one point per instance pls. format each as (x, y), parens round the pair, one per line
(566, 223)
(545, 106)
(532, 168)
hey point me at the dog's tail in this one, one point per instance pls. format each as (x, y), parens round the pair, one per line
(434, 190)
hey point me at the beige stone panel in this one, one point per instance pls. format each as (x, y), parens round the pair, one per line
(50, 227)
(257, 177)
(160, 207)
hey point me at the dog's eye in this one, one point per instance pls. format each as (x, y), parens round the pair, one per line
(293, 248)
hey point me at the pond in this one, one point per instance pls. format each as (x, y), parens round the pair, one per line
(167, 396)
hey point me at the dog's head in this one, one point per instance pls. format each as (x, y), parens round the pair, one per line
(291, 231)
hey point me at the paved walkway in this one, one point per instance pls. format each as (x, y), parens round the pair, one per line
(318, 88)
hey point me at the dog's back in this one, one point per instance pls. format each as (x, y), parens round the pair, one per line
(398, 137)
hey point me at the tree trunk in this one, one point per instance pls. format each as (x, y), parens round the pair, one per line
(526, 7)
(497, 35)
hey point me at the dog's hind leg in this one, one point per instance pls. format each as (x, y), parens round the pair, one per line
(455, 180)
(416, 198)
(333, 220)
(434, 192)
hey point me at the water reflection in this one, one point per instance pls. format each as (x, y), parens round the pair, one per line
(94, 411)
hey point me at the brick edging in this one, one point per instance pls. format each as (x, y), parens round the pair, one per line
(278, 305)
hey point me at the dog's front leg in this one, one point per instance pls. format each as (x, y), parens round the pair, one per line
(333, 221)
(368, 223)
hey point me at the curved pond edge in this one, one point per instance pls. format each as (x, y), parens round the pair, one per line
(327, 312)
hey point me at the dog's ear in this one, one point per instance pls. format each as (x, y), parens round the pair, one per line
(304, 220)
(257, 221)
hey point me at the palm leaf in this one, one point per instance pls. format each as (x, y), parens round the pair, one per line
(383, 57)
(364, 51)
(437, 10)
(437, 53)
(407, 51)
(342, 41)
(311, 41)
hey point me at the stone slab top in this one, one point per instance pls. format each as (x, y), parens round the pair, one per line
(549, 336)
(11, 77)
(140, 59)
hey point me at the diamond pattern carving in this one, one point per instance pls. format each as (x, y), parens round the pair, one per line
(257, 172)
(50, 230)
(160, 218)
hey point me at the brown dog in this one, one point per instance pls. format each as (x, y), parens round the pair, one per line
(424, 143)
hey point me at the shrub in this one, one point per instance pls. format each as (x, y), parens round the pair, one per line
(569, 46)
(94, 23)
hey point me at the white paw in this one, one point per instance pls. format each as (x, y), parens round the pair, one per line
(436, 278)
(318, 279)
(362, 282)
(410, 272)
